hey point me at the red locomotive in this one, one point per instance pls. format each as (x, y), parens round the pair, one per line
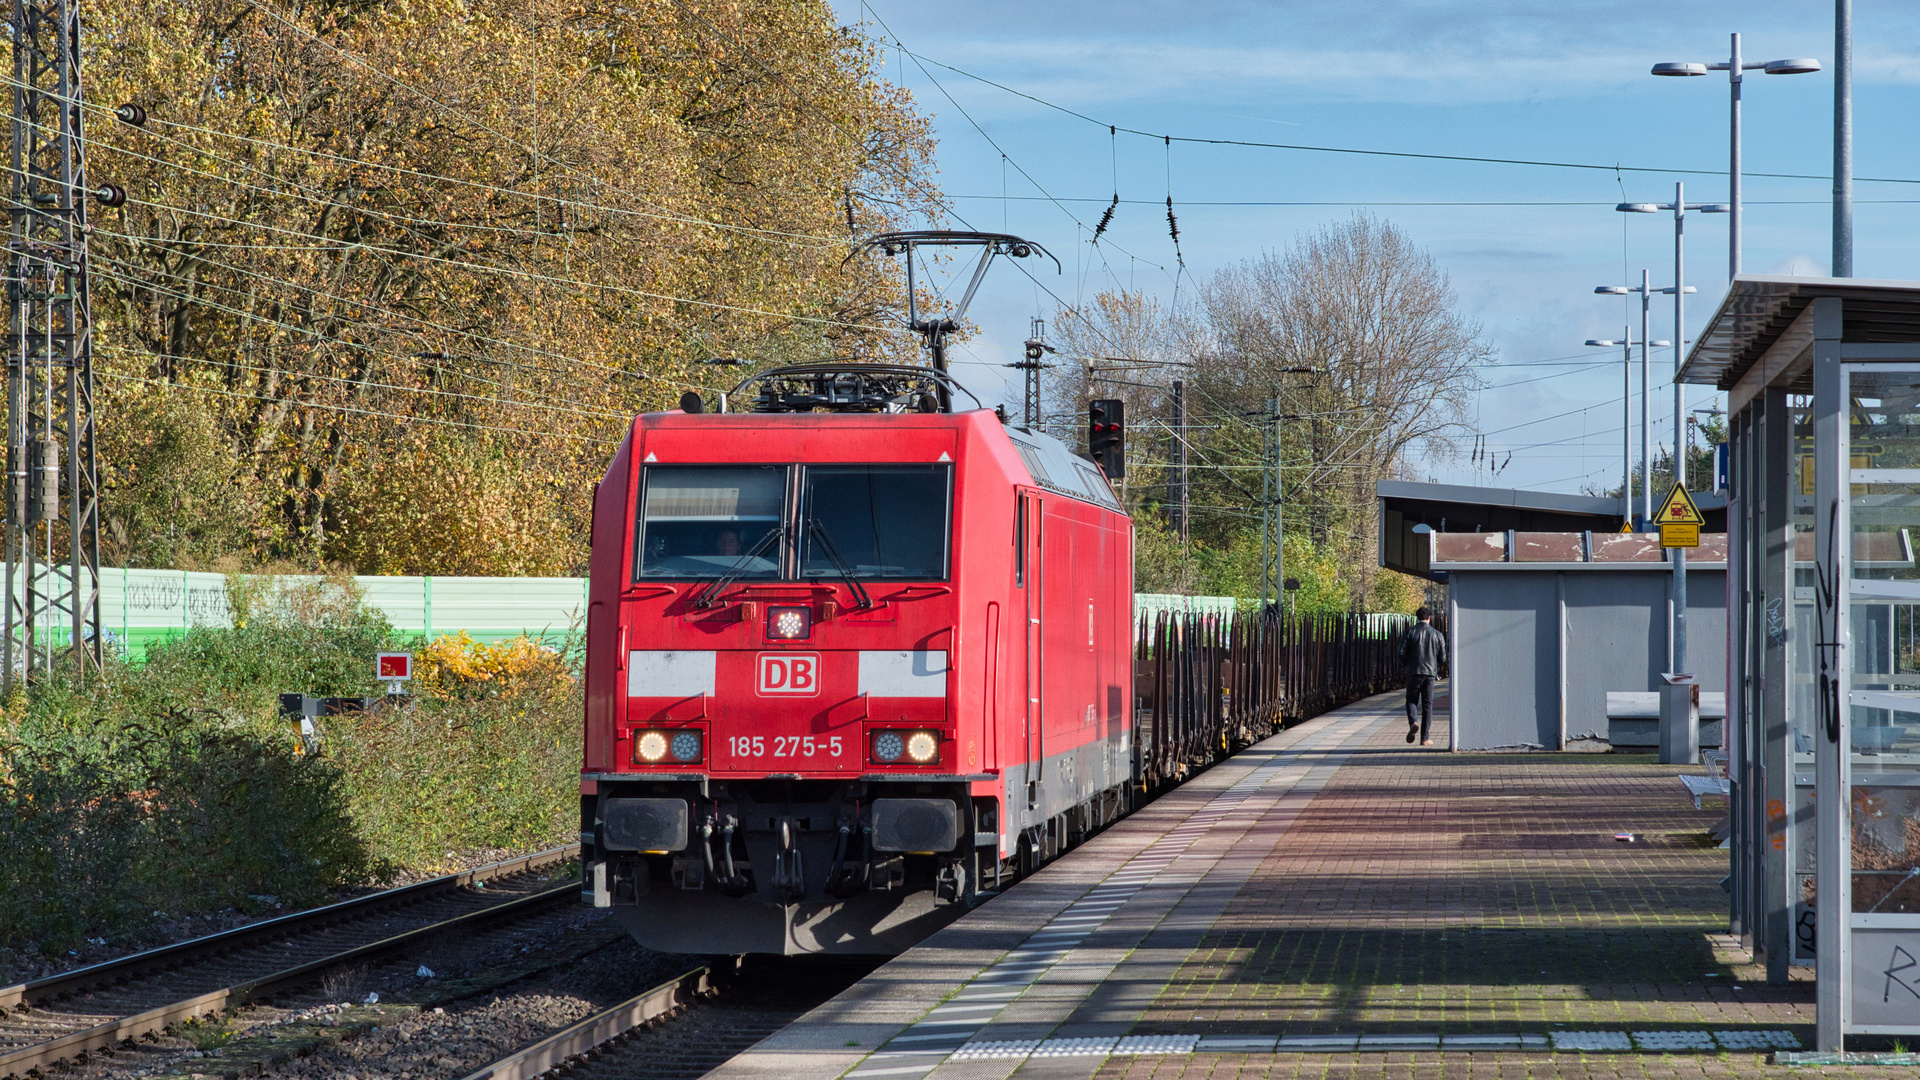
(854, 658)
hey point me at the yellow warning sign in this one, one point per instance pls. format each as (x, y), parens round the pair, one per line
(1626, 526)
(1679, 510)
(1679, 534)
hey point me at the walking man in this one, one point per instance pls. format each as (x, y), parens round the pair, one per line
(1423, 652)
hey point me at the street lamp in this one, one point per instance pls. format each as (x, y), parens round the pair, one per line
(1626, 343)
(1646, 291)
(1679, 206)
(1735, 67)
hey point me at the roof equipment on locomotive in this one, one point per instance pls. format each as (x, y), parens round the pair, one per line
(853, 657)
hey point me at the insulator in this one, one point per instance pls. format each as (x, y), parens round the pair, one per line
(1020, 251)
(131, 113)
(1107, 217)
(110, 195)
(1173, 227)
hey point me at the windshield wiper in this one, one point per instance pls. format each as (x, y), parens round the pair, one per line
(846, 572)
(706, 596)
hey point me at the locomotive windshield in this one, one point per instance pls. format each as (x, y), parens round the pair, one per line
(860, 521)
(702, 521)
(875, 521)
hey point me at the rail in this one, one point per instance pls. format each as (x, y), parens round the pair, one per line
(25, 997)
(659, 1003)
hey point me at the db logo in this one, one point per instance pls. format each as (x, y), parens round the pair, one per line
(789, 673)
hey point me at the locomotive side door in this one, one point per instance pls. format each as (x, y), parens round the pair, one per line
(1031, 517)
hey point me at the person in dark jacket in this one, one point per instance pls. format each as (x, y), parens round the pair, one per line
(1423, 652)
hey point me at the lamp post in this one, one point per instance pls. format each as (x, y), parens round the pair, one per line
(1735, 66)
(1646, 292)
(1842, 145)
(1626, 343)
(1679, 206)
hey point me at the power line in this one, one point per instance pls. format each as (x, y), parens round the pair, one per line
(295, 375)
(1615, 168)
(531, 276)
(396, 314)
(823, 242)
(350, 409)
(347, 343)
(1003, 153)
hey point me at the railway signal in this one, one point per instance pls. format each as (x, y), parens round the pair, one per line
(1107, 435)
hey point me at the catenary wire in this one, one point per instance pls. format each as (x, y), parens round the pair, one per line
(1256, 144)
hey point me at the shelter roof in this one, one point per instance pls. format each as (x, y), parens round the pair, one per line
(1757, 310)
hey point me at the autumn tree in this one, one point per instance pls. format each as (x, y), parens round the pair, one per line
(1354, 334)
(392, 278)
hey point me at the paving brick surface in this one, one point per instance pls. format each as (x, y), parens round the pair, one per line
(1424, 914)
(1430, 891)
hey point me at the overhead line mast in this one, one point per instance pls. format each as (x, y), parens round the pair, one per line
(52, 501)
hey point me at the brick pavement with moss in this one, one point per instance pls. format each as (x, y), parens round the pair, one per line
(1430, 892)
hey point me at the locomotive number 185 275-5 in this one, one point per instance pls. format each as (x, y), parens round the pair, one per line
(786, 746)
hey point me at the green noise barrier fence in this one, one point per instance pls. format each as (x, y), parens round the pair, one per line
(141, 608)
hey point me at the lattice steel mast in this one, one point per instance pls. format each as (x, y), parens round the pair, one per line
(52, 501)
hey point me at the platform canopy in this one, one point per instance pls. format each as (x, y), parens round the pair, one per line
(1822, 377)
(1460, 508)
(1758, 317)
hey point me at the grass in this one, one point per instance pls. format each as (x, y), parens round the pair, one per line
(208, 1032)
(175, 787)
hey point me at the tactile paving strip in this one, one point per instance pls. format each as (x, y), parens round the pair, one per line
(1664, 1041)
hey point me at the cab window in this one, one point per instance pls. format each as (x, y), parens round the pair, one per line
(705, 521)
(876, 521)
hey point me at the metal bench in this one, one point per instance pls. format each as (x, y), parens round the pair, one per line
(1714, 782)
(1698, 786)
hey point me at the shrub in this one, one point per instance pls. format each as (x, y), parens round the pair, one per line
(101, 826)
(176, 787)
(487, 756)
(455, 667)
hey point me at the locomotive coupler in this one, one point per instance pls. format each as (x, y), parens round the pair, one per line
(845, 879)
(732, 881)
(789, 877)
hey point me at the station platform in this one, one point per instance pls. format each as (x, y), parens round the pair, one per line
(1336, 900)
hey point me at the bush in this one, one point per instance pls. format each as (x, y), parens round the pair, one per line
(177, 787)
(102, 827)
(487, 756)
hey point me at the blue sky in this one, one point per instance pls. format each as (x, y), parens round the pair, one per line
(1563, 82)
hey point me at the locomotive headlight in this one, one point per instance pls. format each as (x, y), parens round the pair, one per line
(888, 746)
(650, 745)
(686, 746)
(917, 747)
(789, 623)
(923, 746)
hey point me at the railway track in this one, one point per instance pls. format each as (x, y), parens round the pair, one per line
(687, 1026)
(69, 1015)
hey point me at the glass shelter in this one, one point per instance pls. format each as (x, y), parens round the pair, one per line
(1823, 652)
